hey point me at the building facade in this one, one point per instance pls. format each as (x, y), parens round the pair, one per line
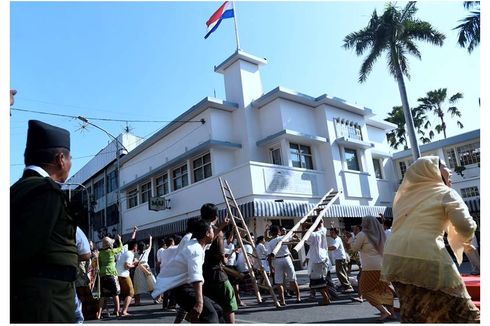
(96, 184)
(462, 155)
(280, 152)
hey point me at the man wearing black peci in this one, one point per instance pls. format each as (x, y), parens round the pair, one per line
(42, 233)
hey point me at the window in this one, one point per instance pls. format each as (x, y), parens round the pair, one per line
(276, 156)
(98, 220)
(112, 181)
(451, 158)
(202, 167)
(351, 159)
(348, 129)
(378, 167)
(99, 189)
(161, 185)
(300, 156)
(469, 154)
(470, 192)
(403, 168)
(132, 196)
(145, 191)
(179, 177)
(112, 215)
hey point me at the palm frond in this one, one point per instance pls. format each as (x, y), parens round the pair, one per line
(469, 31)
(455, 97)
(422, 31)
(460, 125)
(454, 111)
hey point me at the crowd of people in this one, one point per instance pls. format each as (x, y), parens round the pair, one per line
(201, 275)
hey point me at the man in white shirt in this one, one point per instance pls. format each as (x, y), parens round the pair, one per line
(183, 276)
(125, 262)
(318, 260)
(282, 264)
(84, 253)
(340, 258)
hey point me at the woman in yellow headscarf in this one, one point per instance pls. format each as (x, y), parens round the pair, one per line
(415, 259)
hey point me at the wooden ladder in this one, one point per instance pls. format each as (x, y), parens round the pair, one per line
(308, 223)
(243, 237)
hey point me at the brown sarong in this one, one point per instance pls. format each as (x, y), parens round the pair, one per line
(374, 290)
(421, 305)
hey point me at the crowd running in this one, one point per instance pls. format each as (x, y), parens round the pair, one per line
(201, 275)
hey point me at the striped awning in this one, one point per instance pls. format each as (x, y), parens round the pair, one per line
(269, 208)
(161, 230)
(473, 205)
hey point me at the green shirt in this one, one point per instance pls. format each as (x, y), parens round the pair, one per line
(107, 264)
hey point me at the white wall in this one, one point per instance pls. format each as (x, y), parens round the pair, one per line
(186, 137)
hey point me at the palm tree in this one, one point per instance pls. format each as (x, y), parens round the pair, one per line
(394, 32)
(397, 137)
(469, 29)
(434, 102)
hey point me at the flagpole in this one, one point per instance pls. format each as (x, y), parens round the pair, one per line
(236, 27)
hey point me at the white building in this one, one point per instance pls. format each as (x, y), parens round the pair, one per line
(280, 153)
(99, 178)
(458, 151)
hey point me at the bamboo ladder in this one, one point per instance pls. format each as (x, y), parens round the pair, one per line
(243, 236)
(308, 223)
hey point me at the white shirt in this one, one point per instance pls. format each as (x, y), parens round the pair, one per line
(126, 257)
(317, 241)
(230, 251)
(167, 255)
(283, 251)
(387, 233)
(159, 256)
(339, 252)
(241, 264)
(261, 251)
(83, 247)
(184, 268)
(37, 169)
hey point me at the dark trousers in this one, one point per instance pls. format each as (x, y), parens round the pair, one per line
(42, 300)
(185, 296)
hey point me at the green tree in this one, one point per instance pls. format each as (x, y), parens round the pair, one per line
(469, 29)
(435, 101)
(395, 33)
(397, 137)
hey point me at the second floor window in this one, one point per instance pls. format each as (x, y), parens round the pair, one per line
(469, 154)
(469, 192)
(99, 189)
(98, 220)
(132, 198)
(301, 156)
(112, 215)
(202, 167)
(451, 158)
(111, 181)
(351, 159)
(145, 191)
(276, 156)
(378, 168)
(179, 177)
(161, 185)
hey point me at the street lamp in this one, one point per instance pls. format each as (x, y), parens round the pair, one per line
(85, 120)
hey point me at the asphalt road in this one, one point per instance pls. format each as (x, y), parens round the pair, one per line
(342, 310)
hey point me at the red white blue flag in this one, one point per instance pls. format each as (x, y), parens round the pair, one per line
(225, 11)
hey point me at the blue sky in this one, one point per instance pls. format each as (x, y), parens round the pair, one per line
(150, 61)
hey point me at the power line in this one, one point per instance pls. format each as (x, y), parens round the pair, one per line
(104, 119)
